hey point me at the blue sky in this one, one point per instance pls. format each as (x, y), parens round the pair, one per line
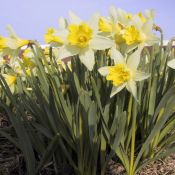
(31, 18)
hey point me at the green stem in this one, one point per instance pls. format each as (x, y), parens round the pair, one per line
(129, 109)
(133, 131)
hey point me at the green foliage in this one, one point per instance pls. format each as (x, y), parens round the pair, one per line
(68, 116)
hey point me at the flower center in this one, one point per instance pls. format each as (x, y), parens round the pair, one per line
(119, 74)
(79, 35)
(131, 35)
(82, 39)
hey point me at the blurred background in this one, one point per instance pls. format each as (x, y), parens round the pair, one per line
(31, 18)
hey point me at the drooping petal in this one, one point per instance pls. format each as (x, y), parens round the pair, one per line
(104, 71)
(134, 59)
(74, 19)
(139, 76)
(171, 64)
(87, 58)
(116, 56)
(117, 89)
(67, 51)
(132, 88)
(100, 43)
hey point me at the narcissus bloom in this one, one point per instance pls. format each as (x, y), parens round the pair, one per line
(142, 32)
(83, 40)
(13, 42)
(27, 58)
(10, 80)
(79, 35)
(136, 28)
(124, 73)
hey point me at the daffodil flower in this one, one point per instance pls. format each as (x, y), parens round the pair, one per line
(13, 42)
(143, 31)
(57, 37)
(10, 80)
(27, 58)
(137, 28)
(124, 73)
(51, 37)
(83, 40)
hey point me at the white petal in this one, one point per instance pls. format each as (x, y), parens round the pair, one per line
(87, 58)
(131, 87)
(62, 23)
(67, 51)
(152, 39)
(134, 59)
(62, 33)
(148, 27)
(101, 43)
(112, 12)
(171, 64)
(74, 19)
(130, 48)
(104, 71)
(11, 43)
(116, 56)
(93, 22)
(139, 76)
(117, 89)
(136, 21)
(150, 13)
(121, 16)
(11, 32)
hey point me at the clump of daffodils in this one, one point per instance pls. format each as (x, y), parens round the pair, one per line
(119, 34)
(121, 30)
(103, 84)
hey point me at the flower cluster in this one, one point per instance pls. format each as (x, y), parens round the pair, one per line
(121, 33)
(121, 30)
